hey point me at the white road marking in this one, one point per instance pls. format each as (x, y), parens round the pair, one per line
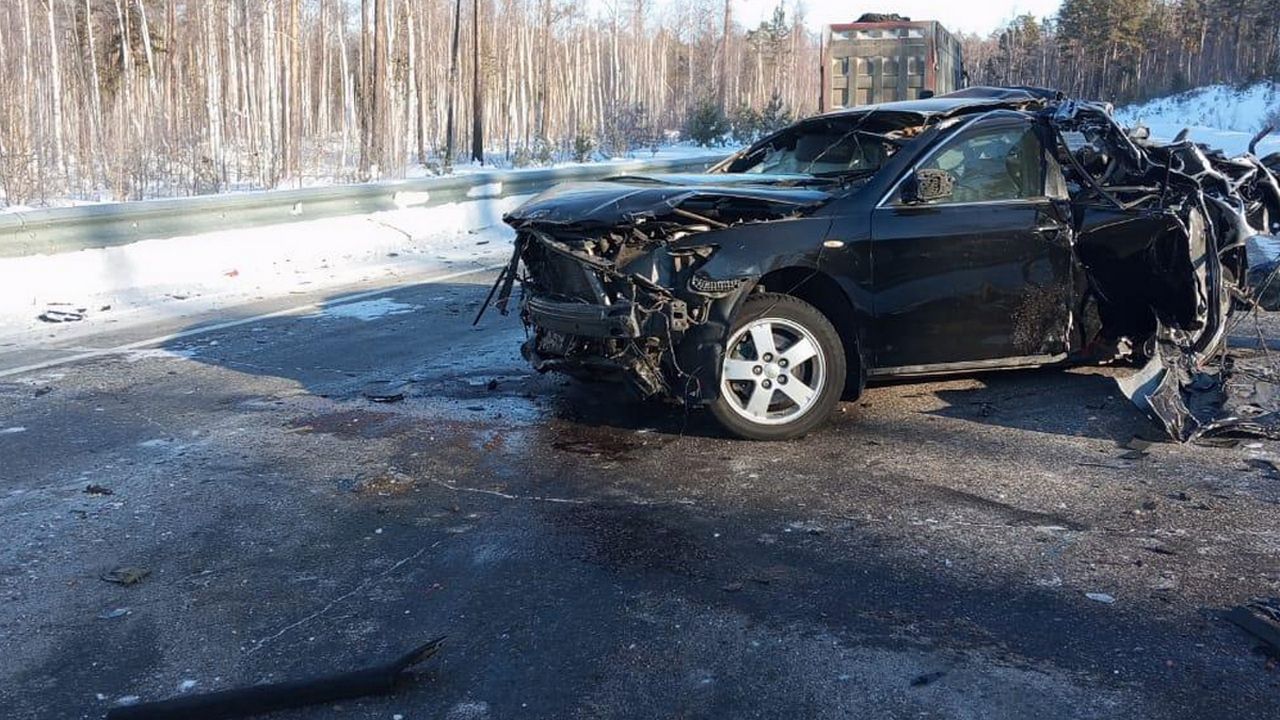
(311, 307)
(368, 310)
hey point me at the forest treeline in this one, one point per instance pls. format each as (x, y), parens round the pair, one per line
(141, 98)
(138, 98)
(1130, 50)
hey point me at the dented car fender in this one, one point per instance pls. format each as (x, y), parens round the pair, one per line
(789, 252)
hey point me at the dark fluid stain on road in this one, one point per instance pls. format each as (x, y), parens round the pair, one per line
(612, 446)
(350, 424)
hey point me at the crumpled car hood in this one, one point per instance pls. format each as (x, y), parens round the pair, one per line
(627, 198)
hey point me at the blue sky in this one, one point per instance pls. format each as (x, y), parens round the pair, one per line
(959, 16)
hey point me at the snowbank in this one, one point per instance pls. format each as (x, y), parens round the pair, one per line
(1220, 116)
(187, 276)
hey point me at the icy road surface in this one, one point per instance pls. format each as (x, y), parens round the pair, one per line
(930, 555)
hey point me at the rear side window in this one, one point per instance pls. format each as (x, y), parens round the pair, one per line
(992, 164)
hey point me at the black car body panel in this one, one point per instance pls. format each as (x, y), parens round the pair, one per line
(1053, 236)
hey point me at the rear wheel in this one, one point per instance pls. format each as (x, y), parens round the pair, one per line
(783, 369)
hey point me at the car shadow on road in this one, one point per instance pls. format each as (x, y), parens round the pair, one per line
(420, 340)
(1079, 403)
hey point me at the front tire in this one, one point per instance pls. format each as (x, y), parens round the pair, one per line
(783, 369)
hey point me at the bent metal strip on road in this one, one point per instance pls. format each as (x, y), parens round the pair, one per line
(202, 329)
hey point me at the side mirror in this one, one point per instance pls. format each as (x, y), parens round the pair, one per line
(927, 185)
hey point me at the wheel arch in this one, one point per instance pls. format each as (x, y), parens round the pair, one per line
(825, 294)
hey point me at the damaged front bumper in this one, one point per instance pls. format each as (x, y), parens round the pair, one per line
(590, 320)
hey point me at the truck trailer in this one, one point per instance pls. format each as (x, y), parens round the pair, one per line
(883, 58)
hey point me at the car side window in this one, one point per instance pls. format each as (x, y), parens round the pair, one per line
(991, 164)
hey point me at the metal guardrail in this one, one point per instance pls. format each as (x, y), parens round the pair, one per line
(58, 230)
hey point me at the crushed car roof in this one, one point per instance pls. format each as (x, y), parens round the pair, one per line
(969, 99)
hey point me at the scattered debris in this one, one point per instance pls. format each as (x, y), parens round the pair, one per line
(62, 316)
(1137, 449)
(12, 430)
(1260, 618)
(985, 409)
(385, 391)
(1103, 465)
(42, 391)
(96, 489)
(113, 614)
(1268, 467)
(381, 483)
(731, 587)
(126, 575)
(264, 698)
(1100, 597)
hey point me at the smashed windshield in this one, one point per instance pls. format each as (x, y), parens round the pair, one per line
(821, 147)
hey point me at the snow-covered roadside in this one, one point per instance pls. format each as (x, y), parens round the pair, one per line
(151, 280)
(1220, 116)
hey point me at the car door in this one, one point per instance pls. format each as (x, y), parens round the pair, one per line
(983, 275)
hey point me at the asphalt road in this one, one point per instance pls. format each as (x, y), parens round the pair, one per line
(926, 556)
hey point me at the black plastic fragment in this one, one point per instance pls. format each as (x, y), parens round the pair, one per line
(258, 699)
(1260, 619)
(504, 282)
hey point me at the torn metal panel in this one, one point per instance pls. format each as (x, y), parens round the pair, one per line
(1192, 246)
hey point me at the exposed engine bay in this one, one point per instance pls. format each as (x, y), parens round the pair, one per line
(1169, 247)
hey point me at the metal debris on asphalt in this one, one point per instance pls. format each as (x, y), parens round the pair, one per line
(385, 391)
(1100, 597)
(96, 489)
(1137, 449)
(1260, 618)
(126, 575)
(1267, 467)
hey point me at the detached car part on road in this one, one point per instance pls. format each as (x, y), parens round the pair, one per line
(988, 228)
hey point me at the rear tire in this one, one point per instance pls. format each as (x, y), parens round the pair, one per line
(783, 370)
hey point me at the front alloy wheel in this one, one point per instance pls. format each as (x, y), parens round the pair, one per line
(782, 372)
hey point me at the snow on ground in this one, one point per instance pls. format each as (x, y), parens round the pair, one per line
(368, 310)
(194, 275)
(199, 275)
(1221, 116)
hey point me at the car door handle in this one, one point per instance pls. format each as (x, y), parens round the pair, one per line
(1050, 230)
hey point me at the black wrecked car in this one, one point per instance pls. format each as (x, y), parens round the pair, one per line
(985, 229)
